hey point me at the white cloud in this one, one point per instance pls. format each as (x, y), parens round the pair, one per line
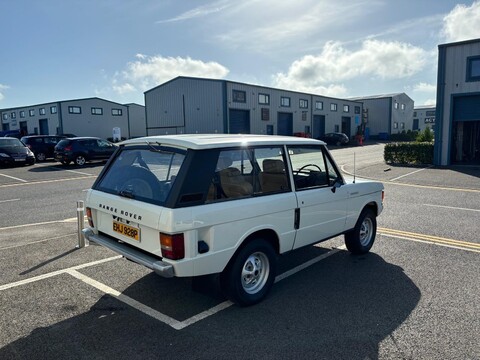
(2, 88)
(335, 64)
(430, 102)
(462, 23)
(149, 71)
(199, 11)
(425, 88)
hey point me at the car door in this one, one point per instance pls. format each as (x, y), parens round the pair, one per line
(321, 206)
(104, 149)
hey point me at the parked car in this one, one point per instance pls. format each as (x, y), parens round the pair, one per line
(192, 205)
(83, 149)
(42, 146)
(335, 138)
(14, 152)
(11, 133)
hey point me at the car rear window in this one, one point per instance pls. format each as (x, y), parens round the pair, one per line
(142, 173)
(62, 143)
(10, 142)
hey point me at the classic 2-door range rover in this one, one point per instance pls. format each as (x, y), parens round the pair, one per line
(192, 205)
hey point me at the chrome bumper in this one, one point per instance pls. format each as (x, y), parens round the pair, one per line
(159, 267)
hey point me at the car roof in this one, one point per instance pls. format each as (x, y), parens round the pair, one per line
(209, 141)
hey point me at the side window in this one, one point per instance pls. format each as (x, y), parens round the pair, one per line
(310, 169)
(273, 174)
(103, 143)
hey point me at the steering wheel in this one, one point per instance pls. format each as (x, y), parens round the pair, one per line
(305, 166)
(141, 182)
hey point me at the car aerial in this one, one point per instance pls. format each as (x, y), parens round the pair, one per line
(193, 205)
(79, 150)
(14, 152)
(335, 138)
(42, 146)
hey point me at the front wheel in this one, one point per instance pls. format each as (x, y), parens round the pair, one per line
(250, 275)
(361, 238)
(41, 156)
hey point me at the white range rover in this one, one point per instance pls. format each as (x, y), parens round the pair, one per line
(192, 205)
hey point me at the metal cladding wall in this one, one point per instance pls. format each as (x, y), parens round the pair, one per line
(425, 116)
(32, 122)
(186, 105)
(136, 119)
(379, 115)
(452, 83)
(88, 124)
(402, 113)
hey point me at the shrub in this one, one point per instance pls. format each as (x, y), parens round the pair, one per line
(425, 136)
(409, 153)
(408, 135)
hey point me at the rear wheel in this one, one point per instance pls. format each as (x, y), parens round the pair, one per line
(250, 275)
(361, 238)
(40, 156)
(80, 160)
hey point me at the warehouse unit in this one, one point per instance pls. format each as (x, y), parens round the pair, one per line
(387, 114)
(457, 131)
(81, 117)
(423, 117)
(197, 105)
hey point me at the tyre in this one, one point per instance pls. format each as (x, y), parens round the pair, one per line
(80, 160)
(361, 238)
(40, 156)
(250, 274)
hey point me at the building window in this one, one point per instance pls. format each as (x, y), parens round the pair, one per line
(74, 110)
(430, 113)
(264, 99)
(53, 109)
(285, 101)
(265, 114)
(403, 106)
(97, 111)
(22, 114)
(357, 109)
(337, 128)
(395, 125)
(319, 105)
(414, 114)
(333, 107)
(239, 96)
(346, 108)
(402, 125)
(117, 112)
(303, 104)
(5, 116)
(396, 105)
(473, 68)
(41, 111)
(304, 115)
(13, 115)
(31, 112)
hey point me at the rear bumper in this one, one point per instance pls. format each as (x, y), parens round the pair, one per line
(159, 267)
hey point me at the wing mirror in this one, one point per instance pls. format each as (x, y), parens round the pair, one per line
(336, 184)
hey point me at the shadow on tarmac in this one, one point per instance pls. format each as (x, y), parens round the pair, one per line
(340, 308)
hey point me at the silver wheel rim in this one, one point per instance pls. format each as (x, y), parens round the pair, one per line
(41, 156)
(255, 272)
(366, 231)
(80, 160)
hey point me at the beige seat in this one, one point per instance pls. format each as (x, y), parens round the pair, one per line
(273, 177)
(233, 183)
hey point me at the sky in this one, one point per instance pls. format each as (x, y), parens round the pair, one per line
(55, 50)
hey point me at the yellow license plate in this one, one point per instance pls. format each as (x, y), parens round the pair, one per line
(130, 231)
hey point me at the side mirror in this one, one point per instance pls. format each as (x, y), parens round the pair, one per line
(336, 185)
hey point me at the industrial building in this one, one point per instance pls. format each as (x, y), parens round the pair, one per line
(81, 117)
(198, 105)
(423, 117)
(457, 129)
(387, 114)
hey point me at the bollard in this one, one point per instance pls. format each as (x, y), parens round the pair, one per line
(80, 225)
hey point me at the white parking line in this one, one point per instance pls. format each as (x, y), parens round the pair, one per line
(4, 201)
(451, 207)
(40, 223)
(79, 172)
(175, 324)
(411, 173)
(14, 178)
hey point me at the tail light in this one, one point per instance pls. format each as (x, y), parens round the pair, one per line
(68, 148)
(88, 211)
(173, 246)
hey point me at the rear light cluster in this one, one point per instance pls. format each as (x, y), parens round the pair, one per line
(89, 216)
(68, 148)
(173, 246)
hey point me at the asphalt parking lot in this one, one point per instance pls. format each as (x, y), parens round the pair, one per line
(414, 296)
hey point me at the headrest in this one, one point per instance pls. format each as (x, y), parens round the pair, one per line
(273, 166)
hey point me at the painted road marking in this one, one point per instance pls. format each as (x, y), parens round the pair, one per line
(40, 223)
(451, 207)
(4, 201)
(14, 178)
(456, 244)
(411, 173)
(48, 181)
